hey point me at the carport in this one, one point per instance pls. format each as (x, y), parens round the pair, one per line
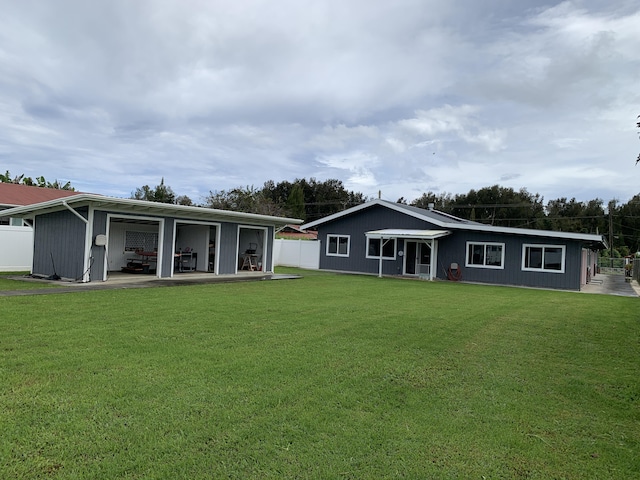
(414, 241)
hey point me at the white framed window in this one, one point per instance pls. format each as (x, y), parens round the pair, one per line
(388, 248)
(543, 258)
(485, 255)
(338, 245)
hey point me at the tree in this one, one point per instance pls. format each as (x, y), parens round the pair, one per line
(39, 182)
(441, 202)
(295, 203)
(499, 206)
(161, 193)
(244, 199)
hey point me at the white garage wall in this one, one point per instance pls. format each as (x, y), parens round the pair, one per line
(16, 249)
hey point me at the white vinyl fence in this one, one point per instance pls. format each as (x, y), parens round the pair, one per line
(297, 253)
(16, 249)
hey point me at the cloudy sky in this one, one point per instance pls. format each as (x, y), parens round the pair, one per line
(402, 96)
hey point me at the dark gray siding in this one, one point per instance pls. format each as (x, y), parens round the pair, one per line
(97, 253)
(228, 248)
(58, 238)
(452, 249)
(356, 225)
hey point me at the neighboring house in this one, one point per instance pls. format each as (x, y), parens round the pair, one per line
(15, 195)
(385, 238)
(294, 232)
(83, 237)
(16, 236)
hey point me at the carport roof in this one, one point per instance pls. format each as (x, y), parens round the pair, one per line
(141, 207)
(408, 234)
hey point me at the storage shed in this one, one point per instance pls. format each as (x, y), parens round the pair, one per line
(84, 237)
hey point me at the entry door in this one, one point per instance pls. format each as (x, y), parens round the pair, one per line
(417, 258)
(411, 258)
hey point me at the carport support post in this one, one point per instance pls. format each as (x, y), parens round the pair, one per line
(382, 243)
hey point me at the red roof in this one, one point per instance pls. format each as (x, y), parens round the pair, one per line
(16, 195)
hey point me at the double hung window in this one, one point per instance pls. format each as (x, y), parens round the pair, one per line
(338, 245)
(543, 258)
(485, 255)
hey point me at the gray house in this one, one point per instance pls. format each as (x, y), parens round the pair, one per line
(84, 237)
(386, 238)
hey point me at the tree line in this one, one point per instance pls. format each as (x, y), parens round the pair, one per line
(37, 182)
(499, 206)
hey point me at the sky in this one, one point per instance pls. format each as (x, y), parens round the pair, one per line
(395, 98)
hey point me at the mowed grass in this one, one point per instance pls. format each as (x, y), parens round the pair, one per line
(8, 283)
(325, 377)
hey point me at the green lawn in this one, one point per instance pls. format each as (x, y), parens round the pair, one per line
(8, 283)
(325, 377)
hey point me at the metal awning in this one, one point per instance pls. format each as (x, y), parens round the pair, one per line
(394, 233)
(408, 234)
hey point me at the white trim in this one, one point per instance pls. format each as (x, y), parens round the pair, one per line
(485, 245)
(338, 254)
(159, 220)
(176, 221)
(265, 248)
(102, 202)
(563, 248)
(88, 247)
(382, 244)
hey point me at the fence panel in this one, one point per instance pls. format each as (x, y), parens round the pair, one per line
(297, 253)
(16, 249)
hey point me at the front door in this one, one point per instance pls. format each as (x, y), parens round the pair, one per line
(417, 258)
(410, 258)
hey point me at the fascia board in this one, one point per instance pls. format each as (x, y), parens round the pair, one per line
(531, 232)
(132, 205)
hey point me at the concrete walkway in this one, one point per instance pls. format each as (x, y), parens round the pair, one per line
(120, 281)
(609, 284)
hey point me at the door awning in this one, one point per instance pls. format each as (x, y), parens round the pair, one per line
(408, 234)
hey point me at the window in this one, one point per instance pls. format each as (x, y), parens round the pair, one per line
(543, 258)
(338, 245)
(388, 248)
(140, 241)
(485, 255)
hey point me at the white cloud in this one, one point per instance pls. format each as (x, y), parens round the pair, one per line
(399, 96)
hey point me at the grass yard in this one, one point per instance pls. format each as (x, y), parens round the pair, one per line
(326, 377)
(6, 283)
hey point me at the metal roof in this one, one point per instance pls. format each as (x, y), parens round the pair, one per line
(141, 207)
(409, 234)
(444, 220)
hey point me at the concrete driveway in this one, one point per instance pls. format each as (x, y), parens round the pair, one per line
(608, 284)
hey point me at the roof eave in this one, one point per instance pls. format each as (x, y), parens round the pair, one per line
(141, 206)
